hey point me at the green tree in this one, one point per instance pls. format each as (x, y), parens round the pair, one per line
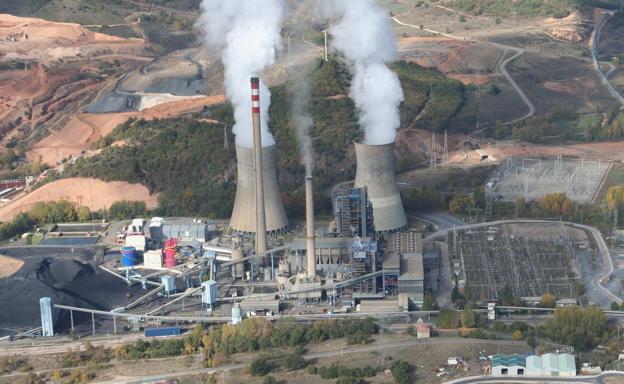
(548, 301)
(468, 317)
(260, 367)
(447, 319)
(401, 372)
(460, 204)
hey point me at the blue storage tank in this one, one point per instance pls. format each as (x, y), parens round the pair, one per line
(128, 256)
(162, 331)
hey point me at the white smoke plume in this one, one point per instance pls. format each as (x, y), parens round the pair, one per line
(364, 34)
(247, 33)
(300, 98)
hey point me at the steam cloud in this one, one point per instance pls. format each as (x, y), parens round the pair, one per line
(247, 32)
(365, 36)
(300, 96)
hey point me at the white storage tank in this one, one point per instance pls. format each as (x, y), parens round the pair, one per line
(169, 284)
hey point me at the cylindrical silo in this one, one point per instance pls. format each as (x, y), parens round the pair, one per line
(375, 171)
(238, 269)
(128, 256)
(244, 212)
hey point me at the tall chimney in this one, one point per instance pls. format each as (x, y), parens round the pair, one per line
(261, 240)
(310, 251)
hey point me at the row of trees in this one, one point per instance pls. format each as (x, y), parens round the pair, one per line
(252, 334)
(48, 212)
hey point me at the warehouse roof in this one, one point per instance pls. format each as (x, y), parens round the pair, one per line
(509, 360)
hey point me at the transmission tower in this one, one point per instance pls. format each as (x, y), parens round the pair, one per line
(434, 162)
(445, 154)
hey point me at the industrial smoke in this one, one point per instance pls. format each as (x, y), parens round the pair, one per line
(364, 35)
(247, 34)
(300, 96)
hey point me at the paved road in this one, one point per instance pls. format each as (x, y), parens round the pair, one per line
(441, 220)
(594, 43)
(526, 379)
(598, 279)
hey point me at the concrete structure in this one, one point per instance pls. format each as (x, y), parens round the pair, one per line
(508, 365)
(153, 259)
(309, 201)
(550, 364)
(250, 306)
(337, 254)
(244, 212)
(378, 306)
(353, 212)
(261, 224)
(412, 277)
(375, 171)
(47, 322)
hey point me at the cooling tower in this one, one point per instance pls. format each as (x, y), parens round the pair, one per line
(375, 171)
(244, 212)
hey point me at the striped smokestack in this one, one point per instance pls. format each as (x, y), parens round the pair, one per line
(310, 248)
(261, 241)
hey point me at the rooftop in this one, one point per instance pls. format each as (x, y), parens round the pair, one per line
(412, 267)
(509, 360)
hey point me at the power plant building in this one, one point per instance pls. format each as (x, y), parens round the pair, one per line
(353, 212)
(244, 212)
(375, 171)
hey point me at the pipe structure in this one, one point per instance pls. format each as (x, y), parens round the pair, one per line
(261, 240)
(375, 171)
(310, 248)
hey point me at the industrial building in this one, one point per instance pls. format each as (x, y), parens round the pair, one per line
(353, 212)
(508, 365)
(550, 364)
(375, 171)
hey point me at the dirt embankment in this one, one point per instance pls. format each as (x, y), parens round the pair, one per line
(45, 41)
(93, 193)
(83, 130)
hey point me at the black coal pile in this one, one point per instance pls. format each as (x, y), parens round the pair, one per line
(68, 278)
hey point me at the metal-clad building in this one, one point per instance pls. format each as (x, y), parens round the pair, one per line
(550, 364)
(47, 322)
(185, 232)
(353, 212)
(244, 212)
(412, 277)
(375, 170)
(508, 365)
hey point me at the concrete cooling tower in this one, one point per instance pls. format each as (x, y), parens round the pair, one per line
(244, 212)
(375, 171)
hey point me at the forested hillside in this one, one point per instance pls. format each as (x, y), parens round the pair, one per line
(185, 159)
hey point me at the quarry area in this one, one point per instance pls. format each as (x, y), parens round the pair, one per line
(387, 191)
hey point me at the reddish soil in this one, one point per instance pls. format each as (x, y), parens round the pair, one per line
(93, 193)
(83, 130)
